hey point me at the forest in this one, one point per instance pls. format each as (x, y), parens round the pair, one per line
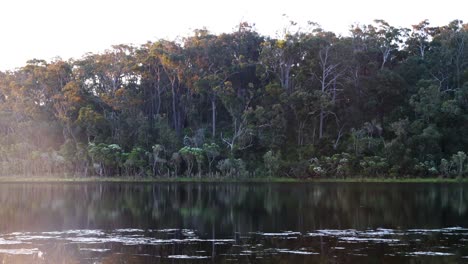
(382, 101)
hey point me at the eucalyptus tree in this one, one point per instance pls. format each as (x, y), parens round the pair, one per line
(419, 39)
(172, 58)
(241, 136)
(448, 56)
(398, 107)
(378, 38)
(281, 56)
(112, 81)
(212, 152)
(237, 92)
(329, 73)
(154, 82)
(210, 59)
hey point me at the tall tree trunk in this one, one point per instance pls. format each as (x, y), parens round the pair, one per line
(174, 111)
(213, 116)
(322, 118)
(158, 109)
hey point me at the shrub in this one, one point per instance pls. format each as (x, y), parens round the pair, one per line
(271, 161)
(232, 167)
(374, 165)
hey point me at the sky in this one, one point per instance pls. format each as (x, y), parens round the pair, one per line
(46, 29)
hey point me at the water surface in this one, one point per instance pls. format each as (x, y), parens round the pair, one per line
(234, 223)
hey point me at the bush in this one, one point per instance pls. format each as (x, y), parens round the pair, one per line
(426, 168)
(191, 155)
(374, 166)
(455, 167)
(232, 167)
(333, 166)
(458, 160)
(136, 161)
(271, 161)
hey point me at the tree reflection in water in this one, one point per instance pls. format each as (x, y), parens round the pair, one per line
(257, 223)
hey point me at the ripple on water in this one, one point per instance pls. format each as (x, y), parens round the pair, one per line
(187, 257)
(297, 252)
(77, 232)
(136, 237)
(21, 251)
(427, 253)
(129, 230)
(286, 233)
(10, 242)
(95, 249)
(369, 239)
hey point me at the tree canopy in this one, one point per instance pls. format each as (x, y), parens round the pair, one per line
(383, 101)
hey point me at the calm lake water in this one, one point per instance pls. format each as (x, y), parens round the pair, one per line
(234, 223)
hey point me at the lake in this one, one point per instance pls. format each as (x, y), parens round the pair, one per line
(233, 223)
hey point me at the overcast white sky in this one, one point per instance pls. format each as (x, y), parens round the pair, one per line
(45, 29)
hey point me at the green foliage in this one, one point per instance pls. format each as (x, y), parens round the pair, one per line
(333, 106)
(166, 135)
(445, 168)
(374, 166)
(212, 152)
(158, 159)
(176, 161)
(458, 160)
(338, 165)
(191, 155)
(93, 122)
(136, 161)
(426, 168)
(271, 161)
(234, 168)
(456, 166)
(107, 157)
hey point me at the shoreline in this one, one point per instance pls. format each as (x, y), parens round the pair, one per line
(55, 179)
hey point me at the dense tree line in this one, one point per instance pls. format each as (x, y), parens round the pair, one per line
(383, 101)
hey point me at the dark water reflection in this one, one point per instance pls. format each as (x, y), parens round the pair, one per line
(234, 223)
